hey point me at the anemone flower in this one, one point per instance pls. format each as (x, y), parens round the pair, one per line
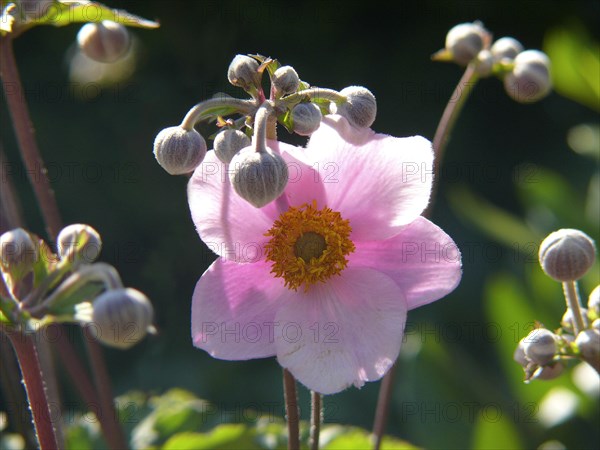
(323, 277)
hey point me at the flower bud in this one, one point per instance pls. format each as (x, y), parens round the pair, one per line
(567, 254)
(306, 118)
(79, 242)
(360, 107)
(506, 49)
(105, 41)
(123, 317)
(465, 41)
(594, 301)
(529, 80)
(596, 325)
(285, 80)
(588, 343)
(229, 142)
(18, 251)
(519, 354)
(567, 319)
(179, 151)
(540, 346)
(549, 372)
(484, 63)
(243, 72)
(259, 177)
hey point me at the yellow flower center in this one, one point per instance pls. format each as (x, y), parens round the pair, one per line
(308, 245)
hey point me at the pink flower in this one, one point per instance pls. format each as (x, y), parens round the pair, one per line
(323, 277)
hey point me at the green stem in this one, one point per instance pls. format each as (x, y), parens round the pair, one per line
(214, 106)
(28, 358)
(291, 410)
(315, 94)
(316, 416)
(572, 299)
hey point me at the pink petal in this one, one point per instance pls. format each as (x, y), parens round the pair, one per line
(233, 310)
(422, 259)
(343, 332)
(305, 184)
(380, 185)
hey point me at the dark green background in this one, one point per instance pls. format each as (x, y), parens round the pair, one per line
(99, 153)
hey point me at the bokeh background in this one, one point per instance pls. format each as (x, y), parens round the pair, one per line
(512, 173)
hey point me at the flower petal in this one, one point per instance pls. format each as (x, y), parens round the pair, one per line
(422, 259)
(380, 185)
(343, 332)
(305, 184)
(233, 310)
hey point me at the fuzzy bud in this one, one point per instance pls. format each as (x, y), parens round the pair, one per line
(18, 251)
(484, 63)
(306, 118)
(79, 242)
(228, 142)
(506, 49)
(465, 41)
(567, 319)
(567, 254)
(259, 177)
(549, 372)
(529, 80)
(360, 107)
(123, 317)
(588, 343)
(519, 354)
(243, 72)
(105, 41)
(596, 325)
(594, 301)
(179, 151)
(540, 346)
(285, 80)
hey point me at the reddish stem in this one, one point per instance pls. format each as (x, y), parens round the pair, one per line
(291, 410)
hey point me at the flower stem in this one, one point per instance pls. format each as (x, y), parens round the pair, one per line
(216, 106)
(572, 299)
(291, 410)
(27, 356)
(36, 170)
(316, 94)
(383, 406)
(316, 416)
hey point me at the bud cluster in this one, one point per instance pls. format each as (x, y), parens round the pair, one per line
(258, 173)
(40, 287)
(525, 73)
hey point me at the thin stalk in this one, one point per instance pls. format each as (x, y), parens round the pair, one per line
(572, 299)
(316, 416)
(33, 379)
(214, 106)
(442, 135)
(291, 410)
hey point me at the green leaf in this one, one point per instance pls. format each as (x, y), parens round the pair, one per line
(496, 434)
(226, 437)
(575, 64)
(337, 437)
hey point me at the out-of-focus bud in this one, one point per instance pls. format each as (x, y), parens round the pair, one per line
(243, 72)
(540, 346)
(484, 63)
(506, 49)
(529, 81)
(594, 301)
(179, 151)
(258, 177)
(360, 107)
(285, 80)
(567, 254)
(519, 354)
(567, 319)
(588, 342)
(465, 41)
(18, 252)
(104, 41)
(228, 143)
(122, 317)
(596, 325)
(548, 372)
(306, 118)
(79, 242)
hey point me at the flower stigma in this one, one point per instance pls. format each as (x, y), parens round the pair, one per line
(308, 245)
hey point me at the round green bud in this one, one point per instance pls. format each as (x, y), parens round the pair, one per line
(105, 41)
(79, 242)
(229, 142)
(594, 301)
(540, 346)
(506, 49)
(18, 251)
(285, 80)
(567, 254)
(243, 72)
(259, 177)
(179, 151)
(529, 81)
(306, 118)
(360, 107)
(122, 317)
(465, 41)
